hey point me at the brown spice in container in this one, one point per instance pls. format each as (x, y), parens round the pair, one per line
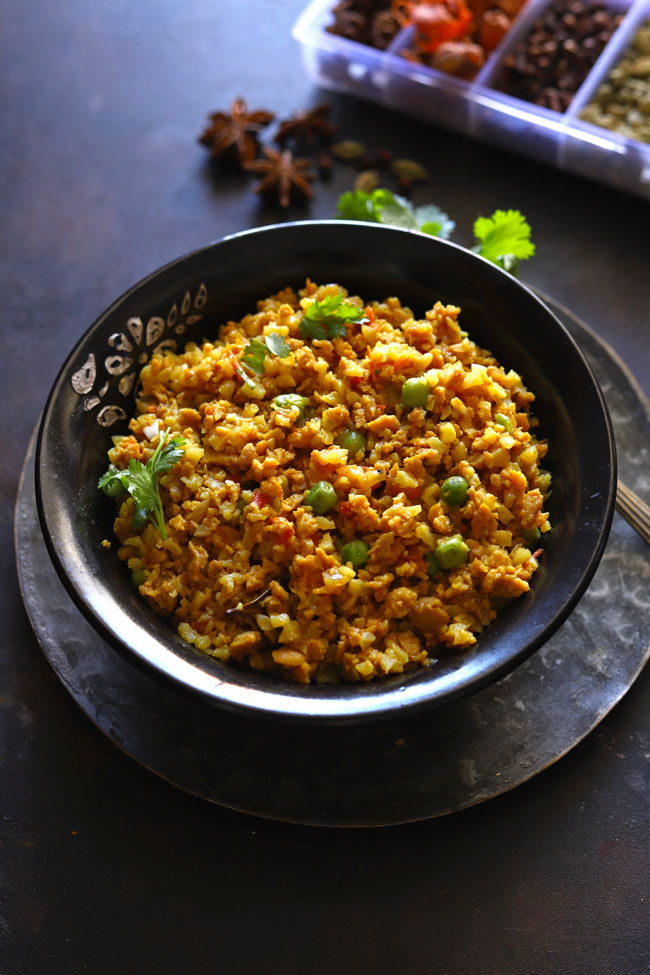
(551, 63)
(370, 22)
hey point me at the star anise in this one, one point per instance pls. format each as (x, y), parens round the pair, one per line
(284, 173)
(307, 126)
(234, 134)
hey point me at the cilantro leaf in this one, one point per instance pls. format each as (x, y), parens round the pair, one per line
(504, 238)
(383, 206)
(167, 454)
(276, 344)
(112, 482)
(254, 354)
(141, 485)
(396, 211)
(141, 481)
(381, 197)
(432, 220)
(327, 319)
(356, 205)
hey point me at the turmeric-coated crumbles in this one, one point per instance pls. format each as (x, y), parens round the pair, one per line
(349, 491)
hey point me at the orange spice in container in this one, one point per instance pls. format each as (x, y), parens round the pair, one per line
(456, 36)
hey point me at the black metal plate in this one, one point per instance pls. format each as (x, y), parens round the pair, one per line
(390, 772)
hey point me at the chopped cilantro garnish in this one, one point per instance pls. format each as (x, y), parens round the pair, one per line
(275, 343)
(327, 319)
(504, 238)
(141, 480)
(254, 354)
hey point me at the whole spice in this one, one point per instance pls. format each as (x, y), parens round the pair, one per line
(456, 36)
(383, 29)
(282, 173)
(308, 126)
(550, 64)
(460, 58)
(234, 134)
(408, 169)
(622, 103)
(435, 23)
(349, 150)
(367, 180)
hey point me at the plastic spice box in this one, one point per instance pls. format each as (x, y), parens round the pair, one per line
(476, 107)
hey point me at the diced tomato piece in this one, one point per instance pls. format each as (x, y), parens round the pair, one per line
(234, 362)
(259, 499)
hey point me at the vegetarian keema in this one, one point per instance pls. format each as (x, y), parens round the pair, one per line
(332, 489)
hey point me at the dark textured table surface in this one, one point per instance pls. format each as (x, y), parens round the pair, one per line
(103, 866)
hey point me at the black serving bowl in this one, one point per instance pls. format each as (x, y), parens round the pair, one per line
(191, 298)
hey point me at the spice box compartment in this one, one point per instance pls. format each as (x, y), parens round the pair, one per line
(478, 107)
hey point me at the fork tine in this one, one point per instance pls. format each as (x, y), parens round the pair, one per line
(635, 511)
(634, 503)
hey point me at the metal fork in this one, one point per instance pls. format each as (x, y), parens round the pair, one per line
(634, 510)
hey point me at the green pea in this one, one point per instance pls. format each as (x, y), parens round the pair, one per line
(353, 441)
(433, 566)
(531, 535)
(355, 552)
(454, 491)
(452, 552)
(138, 577)
(139, 519)
(241, 504)
(291, 402)
(415, 392)
(321, 497)
(503, 421)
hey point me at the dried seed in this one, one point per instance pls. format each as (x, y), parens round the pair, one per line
(640, 67)
(549, 65)
(622, 103)
(409, 169)
(348, 150)
(367, 181)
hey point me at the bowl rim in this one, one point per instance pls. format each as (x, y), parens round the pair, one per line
(280, 699)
